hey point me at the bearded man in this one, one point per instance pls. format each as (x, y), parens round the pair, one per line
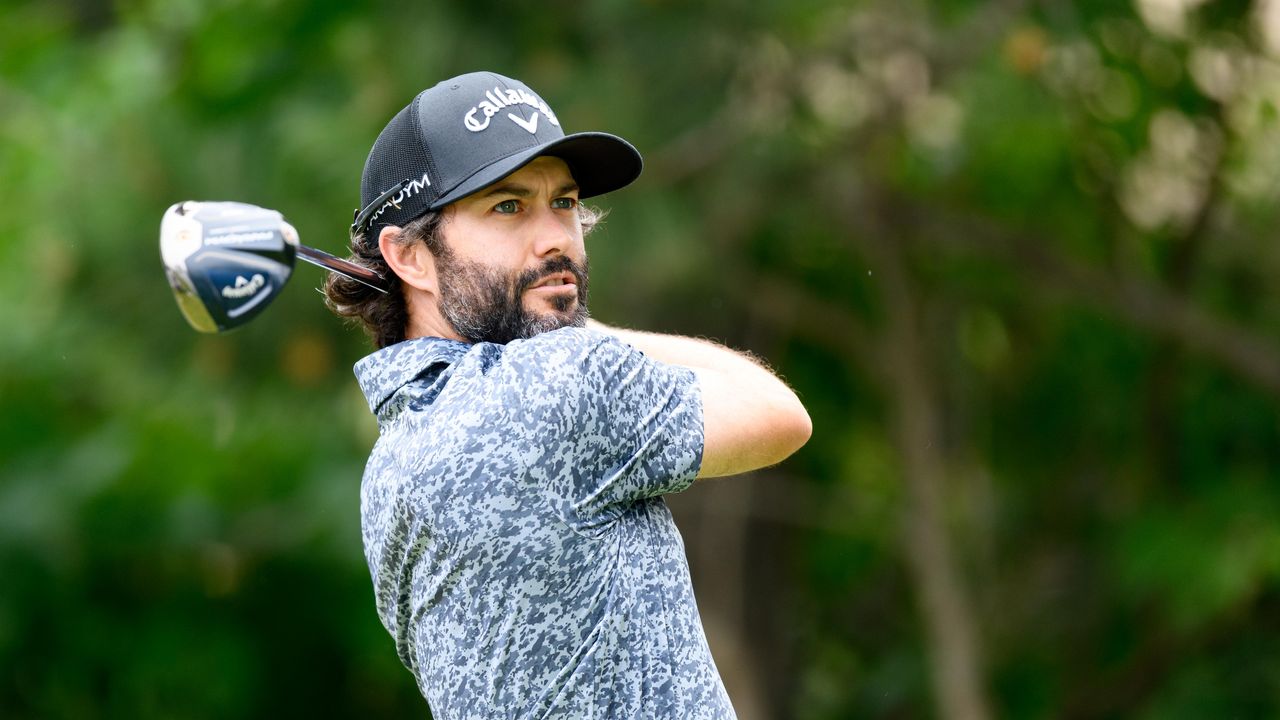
(522, 556)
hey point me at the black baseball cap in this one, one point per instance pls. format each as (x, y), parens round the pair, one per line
(465, 134)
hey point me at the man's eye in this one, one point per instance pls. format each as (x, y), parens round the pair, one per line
(564, 203)
(507, 207)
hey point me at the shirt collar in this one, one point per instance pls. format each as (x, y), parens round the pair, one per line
(382, 373)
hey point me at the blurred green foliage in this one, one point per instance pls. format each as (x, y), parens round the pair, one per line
(1020, 255)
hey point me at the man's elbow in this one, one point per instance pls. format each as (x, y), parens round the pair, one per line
(797, 428)
(749, 431)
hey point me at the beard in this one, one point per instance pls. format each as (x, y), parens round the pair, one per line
(485, 304)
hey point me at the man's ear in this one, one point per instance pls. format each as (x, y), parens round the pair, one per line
(411, 262)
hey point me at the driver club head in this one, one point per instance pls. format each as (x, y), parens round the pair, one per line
(225, 261)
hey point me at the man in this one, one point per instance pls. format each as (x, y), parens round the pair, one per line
(522, 555)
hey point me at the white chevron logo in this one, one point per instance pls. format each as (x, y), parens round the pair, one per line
(244, 287)
(531, 124)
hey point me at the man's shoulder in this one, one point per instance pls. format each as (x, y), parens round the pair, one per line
(564, 349)
(561, 363)
(560, 340)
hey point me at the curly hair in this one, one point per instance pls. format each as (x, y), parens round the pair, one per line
(384, 316)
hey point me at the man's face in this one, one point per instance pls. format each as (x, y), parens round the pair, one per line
(514, 264)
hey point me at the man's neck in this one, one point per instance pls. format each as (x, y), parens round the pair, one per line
(425, 320)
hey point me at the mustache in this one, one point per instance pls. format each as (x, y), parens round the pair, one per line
(557, 264)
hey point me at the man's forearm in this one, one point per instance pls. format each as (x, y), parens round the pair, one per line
(685, 351)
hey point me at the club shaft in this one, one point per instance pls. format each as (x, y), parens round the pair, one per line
(342, 267)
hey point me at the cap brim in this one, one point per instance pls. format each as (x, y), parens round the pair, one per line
(600, 163)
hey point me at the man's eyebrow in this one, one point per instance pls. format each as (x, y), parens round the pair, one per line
(521, 191)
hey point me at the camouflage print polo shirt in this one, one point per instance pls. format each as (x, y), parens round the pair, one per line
(522, 555)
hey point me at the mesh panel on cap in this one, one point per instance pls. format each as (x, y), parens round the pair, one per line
(398, 154)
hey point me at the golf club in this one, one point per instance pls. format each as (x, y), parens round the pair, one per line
(226, 261)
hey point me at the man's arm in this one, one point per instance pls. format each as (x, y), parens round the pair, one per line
(751, 419)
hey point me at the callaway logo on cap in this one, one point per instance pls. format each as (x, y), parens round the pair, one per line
(465, 134)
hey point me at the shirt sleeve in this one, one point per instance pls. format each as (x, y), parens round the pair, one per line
(615, 426)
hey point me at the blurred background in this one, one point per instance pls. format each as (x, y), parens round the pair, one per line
(1019, 259)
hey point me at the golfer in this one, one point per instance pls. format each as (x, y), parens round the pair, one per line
(522, 556)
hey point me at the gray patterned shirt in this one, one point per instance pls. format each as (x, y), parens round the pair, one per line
(522, 555)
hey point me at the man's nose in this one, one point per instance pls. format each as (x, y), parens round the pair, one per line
(551, 232)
